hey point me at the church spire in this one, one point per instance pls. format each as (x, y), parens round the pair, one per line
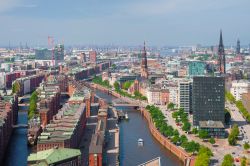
(221, 54)
(144, 63)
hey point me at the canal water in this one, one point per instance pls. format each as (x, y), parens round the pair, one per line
(133, 129)
(130, 131)
(17, 150)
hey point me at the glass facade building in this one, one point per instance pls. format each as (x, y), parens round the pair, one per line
(196, 68)
(208, 99)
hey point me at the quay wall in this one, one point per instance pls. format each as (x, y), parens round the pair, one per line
(185, 157)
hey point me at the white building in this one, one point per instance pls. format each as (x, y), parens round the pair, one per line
(185, 95)
(239, 87)
(173, 94)
(154, 96)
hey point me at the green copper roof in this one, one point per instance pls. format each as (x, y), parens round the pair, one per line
(53, 155)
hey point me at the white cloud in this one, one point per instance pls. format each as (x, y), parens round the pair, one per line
(163, 7)
(7, 5)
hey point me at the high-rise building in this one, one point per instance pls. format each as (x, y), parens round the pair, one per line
(59, 52)
(221, 58)
(144, 63)
(208, 99)
(46, 54)
(196, 68)
(185, 95)
(92, 56)
(238, 47)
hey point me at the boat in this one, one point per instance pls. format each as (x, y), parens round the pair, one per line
(126, 116)
(140, 142)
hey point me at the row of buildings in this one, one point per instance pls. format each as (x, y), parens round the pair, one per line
(8, 118)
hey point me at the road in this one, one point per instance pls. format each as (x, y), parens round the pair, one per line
(237, 118)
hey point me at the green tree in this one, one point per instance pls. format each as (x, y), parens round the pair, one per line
(16, 87)
(127, 84)
(203, 156)
(228, 160)
(116, 86)
(246, 146)
(232, 138)
(229, 97)
(171, 106)
(227, 116)
(195, 131)
(186, 126)
(203, 134)
(243, 161)
(212, 140)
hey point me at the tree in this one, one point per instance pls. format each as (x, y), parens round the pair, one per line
(232, 138)
(246, 146)
(171, 106)
(228, 160)
(203, 156)
(203, 134)
(227, 116)
(116, 86)
(127, 84)
(243, 161)
(194, 130)
(212, 140)
(186, 126)
(229, 97)
(16, 87)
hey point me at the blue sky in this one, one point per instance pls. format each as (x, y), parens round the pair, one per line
(124, 22)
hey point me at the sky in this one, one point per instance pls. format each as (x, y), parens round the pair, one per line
(124, 22)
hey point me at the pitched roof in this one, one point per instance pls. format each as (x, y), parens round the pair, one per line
(53, 155)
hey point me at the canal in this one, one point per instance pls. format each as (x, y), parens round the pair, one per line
(130, 131)
(133, 129)
(18, 151)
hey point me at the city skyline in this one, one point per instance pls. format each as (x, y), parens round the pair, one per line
(124, 23)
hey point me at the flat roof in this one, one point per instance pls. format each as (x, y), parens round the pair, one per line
(211, 124)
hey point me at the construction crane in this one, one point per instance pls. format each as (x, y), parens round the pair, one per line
(51, 45)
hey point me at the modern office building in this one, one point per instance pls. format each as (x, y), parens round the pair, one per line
(46, 54)
(208, 99)
(185, 95)
(196, 68)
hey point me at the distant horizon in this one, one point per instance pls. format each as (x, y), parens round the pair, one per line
(130, 22)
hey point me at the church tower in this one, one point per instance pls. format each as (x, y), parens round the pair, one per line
(221, 56)
(144, 63)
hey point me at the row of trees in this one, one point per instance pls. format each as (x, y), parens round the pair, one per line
(168, 131)
(33, 106)
(239, 105)
(232, 138)
(181, 116)
(98, 80)
(230, 97)
(137, 94)
(243, 110)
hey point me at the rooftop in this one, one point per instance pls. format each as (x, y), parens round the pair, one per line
(53, 155)
(211, 124)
